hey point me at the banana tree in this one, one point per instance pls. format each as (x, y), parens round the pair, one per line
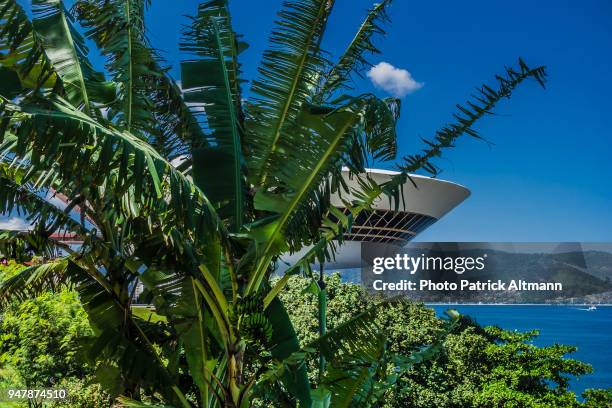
(194, 191)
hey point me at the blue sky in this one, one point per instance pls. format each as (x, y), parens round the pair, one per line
(547, 176)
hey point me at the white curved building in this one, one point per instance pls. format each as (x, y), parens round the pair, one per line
(424, 204)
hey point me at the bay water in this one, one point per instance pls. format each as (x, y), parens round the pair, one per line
(589, 330)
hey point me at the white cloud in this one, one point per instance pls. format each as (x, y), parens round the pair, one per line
(398, 82)
(14, 223)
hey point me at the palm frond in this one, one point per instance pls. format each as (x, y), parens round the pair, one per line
(66, 50)
(371, 135)
(362, 382)
(57, 131)
(149, 103)
(353, 59)
(353, 346)
(309, 157)
(352, 338)
(176, 297)
(333, 226)
(178, 127)
(288, 72)
(33, 281)
(368, 190)
(481, 105)
(21, 52)
(122, 338)
(20, 197)
(211, 85)
(35, 241)
(118, 29)
(375, 137)
(285, 348)
(226, 45)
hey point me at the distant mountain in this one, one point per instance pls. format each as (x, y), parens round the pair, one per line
(586, 277)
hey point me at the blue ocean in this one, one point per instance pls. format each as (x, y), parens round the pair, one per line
(590, 331)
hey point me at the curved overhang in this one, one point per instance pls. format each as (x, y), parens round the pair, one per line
(424, 201)
(423, 195)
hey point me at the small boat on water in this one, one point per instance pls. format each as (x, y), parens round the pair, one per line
(590, 308)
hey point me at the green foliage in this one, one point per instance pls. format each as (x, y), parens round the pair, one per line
(39, 338)
(9, 270)
(353, 59)
(213, 47)
(21, 53)
(40, 342)
(82, 393)
(478, 367)
(598, 398)
(202, 234)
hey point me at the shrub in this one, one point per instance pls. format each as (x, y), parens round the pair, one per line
(39, 344)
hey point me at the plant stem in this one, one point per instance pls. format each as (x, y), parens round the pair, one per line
(322, 317)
